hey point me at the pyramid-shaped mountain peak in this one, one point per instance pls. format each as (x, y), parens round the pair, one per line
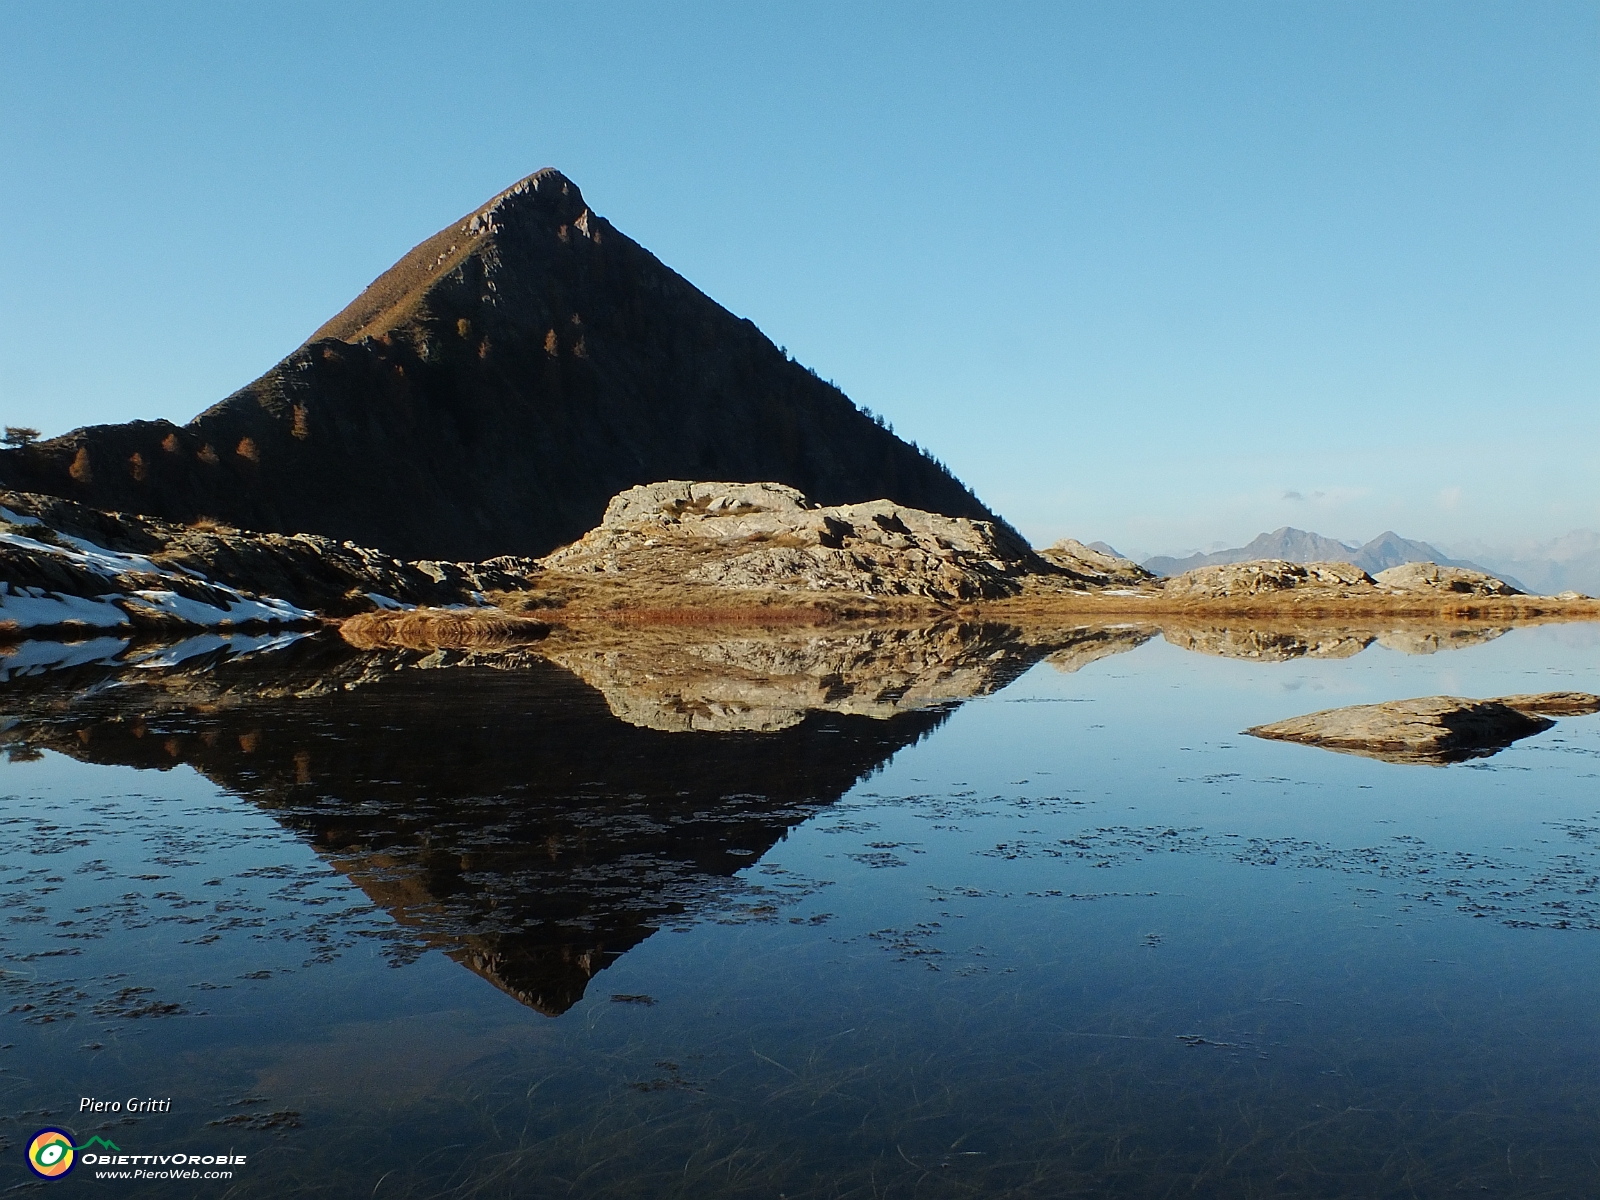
(488, 394)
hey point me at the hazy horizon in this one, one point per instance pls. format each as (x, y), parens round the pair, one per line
(1459, 549)
(1162, 276)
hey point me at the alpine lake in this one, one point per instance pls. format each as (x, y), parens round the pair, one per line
(851, 913)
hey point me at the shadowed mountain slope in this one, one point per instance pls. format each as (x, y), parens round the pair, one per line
(488, 394)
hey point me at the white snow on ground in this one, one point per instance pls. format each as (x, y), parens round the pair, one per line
(31, 607)
(198, 612)
(33, 657)
(389, 603)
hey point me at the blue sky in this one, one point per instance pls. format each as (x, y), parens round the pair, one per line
(1166, 274)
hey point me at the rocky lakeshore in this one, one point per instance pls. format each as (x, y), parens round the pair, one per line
(669, 552)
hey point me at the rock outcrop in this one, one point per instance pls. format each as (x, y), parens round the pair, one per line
(488, 395)
(1431, 729)
(1330, 580)
(768, 537)
(1266, 578)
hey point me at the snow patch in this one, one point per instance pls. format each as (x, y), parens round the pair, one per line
(33, 608)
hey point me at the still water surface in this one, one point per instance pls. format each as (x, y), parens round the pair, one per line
(464, 932)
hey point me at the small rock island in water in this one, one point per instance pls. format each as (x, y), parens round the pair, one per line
(1430, 729)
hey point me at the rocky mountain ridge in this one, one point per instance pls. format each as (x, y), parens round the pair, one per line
(1288, 544)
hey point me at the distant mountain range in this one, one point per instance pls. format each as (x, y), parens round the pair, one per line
(1568, 563)
(1386, 550)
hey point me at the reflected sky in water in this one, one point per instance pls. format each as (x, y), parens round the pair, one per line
(467, 932)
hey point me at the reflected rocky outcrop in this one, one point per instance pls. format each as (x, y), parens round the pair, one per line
(536, 810)
(1281, 641)
(505, 816)
(1432, 640)
(767, 680)
(1090, 644)
(1268, 645)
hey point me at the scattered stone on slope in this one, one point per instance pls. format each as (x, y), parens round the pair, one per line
(1330, 580)
(1267, 577)
(765, 536)
(1427, 577)
(64, 565)
(1430, 729)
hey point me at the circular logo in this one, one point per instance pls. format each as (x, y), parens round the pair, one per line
(50, 1153)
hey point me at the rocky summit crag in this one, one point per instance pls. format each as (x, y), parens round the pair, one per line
(488, 395)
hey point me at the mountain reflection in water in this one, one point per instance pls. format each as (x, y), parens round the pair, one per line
(535, 828)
